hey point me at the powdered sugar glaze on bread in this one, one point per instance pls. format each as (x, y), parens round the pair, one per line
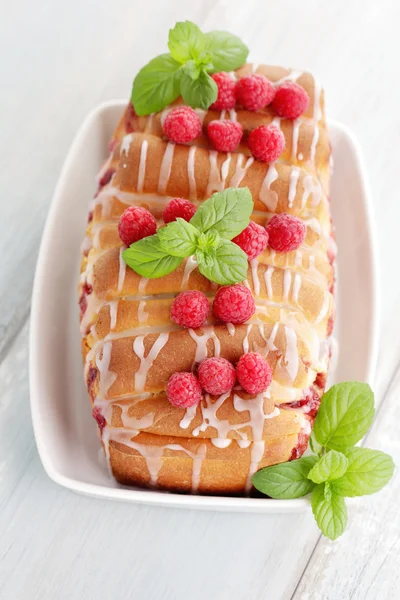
(129, 343)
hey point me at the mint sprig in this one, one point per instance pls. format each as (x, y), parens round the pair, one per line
(186, 70)
(338, 470)
(207, 236)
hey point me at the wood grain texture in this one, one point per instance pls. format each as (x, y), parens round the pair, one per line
(58, 60)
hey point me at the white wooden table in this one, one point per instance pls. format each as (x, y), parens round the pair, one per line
(57, 60)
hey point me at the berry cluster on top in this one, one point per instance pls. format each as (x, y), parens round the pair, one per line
(253, 92)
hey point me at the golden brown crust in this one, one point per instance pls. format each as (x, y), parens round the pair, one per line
(131, 347)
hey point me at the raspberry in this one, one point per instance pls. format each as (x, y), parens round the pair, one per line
(253, 372)
(254, 92)
(286, 232)
(130, 118)
(290, 101)
(320, 380)
(178, 207)
(96, 414)
(190, 309)
(234, 304)
(225, 135)
(136, 223)
(266, 143)
(106, 177)
(226, 92)
(182, 124)
(183, 390)
(253, 240)
(217, 376)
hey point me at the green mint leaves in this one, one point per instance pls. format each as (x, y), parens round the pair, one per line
(345, 416)
(207, 236)
(186, 70)
(339, 470)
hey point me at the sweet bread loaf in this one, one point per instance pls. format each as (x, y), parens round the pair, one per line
(130, 345)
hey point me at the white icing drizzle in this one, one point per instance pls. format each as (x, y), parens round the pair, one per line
(240, 171)
(217, 180)
(221, 443)
(233, 115)
(293, 76)
(126, 143)
(324, 308)
(314, 143)
(254, 274)
(191, 177)
(254, 67)
(268, 280)
(311, 187)
(191, 265)
(243, 443)
(291, 354)
(142, 165)
(268, 197)
(107, 377)
(295, 138)
(165, 170)
(122, 270)
(298, 261)
(146, 363)
(201, 343)
(189, 416)
(201, 114)
(270, 346)
(296, 288)
(142, 312)
(294, 177)
(277, 122)
(287, 282)
(231, 329)
(142, 285)
(149, 124)
(113, 304)
(300, 156)
(246, 343)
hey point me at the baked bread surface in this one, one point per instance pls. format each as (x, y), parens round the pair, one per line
(130, 345)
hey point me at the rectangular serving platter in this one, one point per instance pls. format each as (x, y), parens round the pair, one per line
(66, 434)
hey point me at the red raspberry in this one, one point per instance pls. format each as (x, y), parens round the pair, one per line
(130, 118)
(320, 380)
(106, 177)
(225, 135)
(253, 240)
(136, 223)
(311, 400)
(190, 309)
(182, 124)
(226, 92)
(253, 372)
(234, 304)
(290, 101)
(178, 207)
(266, 143)
(183, 390)
(217, 376)
(286, 232)
(96, 414)
(254, 92)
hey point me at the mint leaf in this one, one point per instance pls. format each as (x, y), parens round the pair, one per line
(156, 85)
(200, 92)
(227, 51)
(330, 466)
(208, 241)
(345, 415)
(286, 480)
(178, 238)
(368, 471)
(226, 212)
(329, 510)
(225, 264)
(147, 258)
(314, 445)
(185, 41)
(192, 69)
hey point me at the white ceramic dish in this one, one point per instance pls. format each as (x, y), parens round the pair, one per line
(66, 434)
